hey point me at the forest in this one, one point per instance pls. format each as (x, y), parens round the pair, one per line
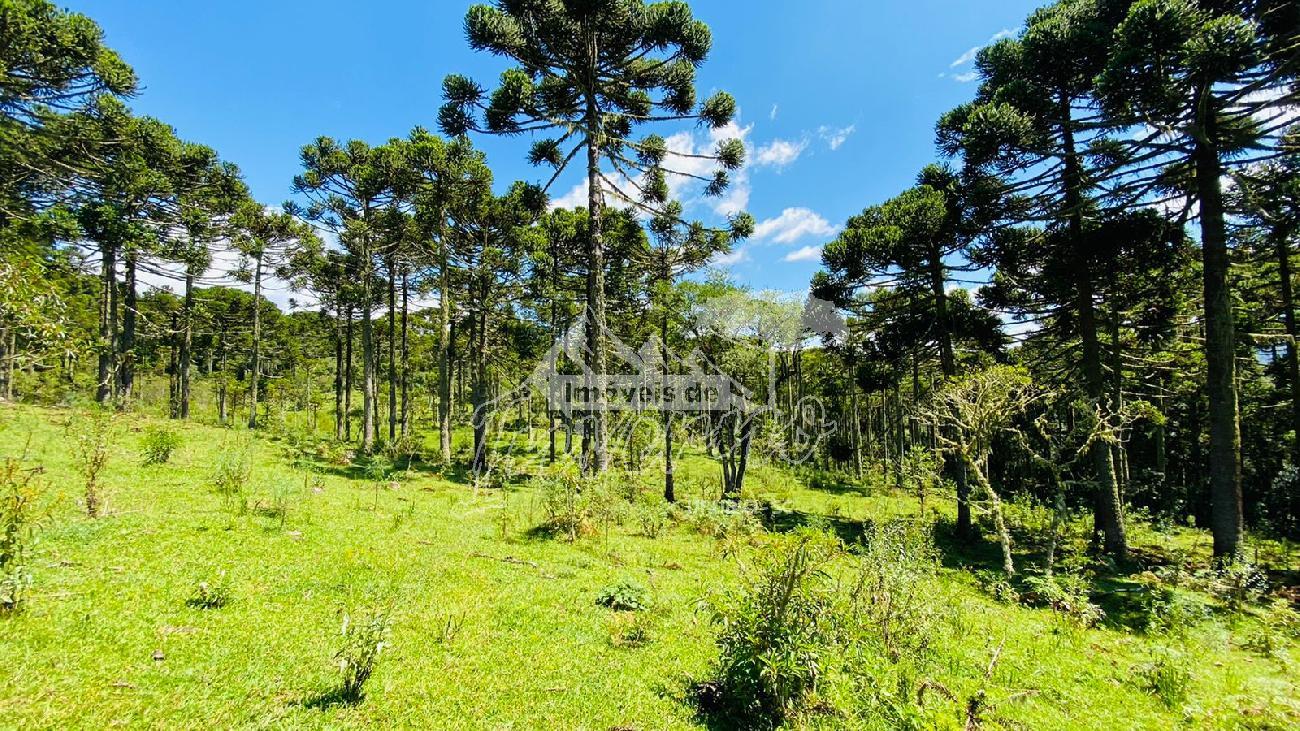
(1023, 453)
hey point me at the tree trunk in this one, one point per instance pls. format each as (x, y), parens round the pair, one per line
(392, 352)
(255, 368)
(369, 380)
(173, 371)
(956, 468)
(187, 346)
(670, 493)
(339, 414)
(1283, 252)
(1108, 510)
(1226, 521)
(444, 346)
(107, 325)
(222, 390)
(126, 366)
(595, 286)
(479, 388)
(406, 356)
(6, 356)
(347, 378)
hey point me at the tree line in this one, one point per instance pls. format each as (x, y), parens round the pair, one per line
(1112, 216)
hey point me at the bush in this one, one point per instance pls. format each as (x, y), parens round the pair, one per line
(563, 504)
(652, 514)
(364, 638)
(631, 629)
(625, 596)
(231, 475)
(210, 594)
(1279, 625)
(19, 491)
(1167, 677)
(92, 437)
(1163, 607)
(159, 443)
(720, 520)
(1067, 595)
(777, 635)
(895, 580)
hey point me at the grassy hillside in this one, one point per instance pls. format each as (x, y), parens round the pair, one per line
(495, 624)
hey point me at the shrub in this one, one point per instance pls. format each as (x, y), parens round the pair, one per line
(563, 504)
(996, 585)
(720, 520)
(777, 635)
(1167, 677)
(92, 437)
(1238, 584)
(1065, 594)
(231, 475)
(1163, 607)
(1279, 625)
(364, 638)
(625, 596)
(893, 588)
(159, 443)
(652, 514)
(631, 629)
(19, 491)
(210, 594)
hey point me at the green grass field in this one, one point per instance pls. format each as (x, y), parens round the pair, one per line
(494, 624)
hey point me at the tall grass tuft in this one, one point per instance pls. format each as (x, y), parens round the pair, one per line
(92, 441)
(19, 492)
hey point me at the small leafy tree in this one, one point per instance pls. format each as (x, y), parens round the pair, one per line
(92, 441)
(970, 413)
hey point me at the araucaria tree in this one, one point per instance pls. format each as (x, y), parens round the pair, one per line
(269, 241)
(589, 73)
(1198, 80)
(351, 189)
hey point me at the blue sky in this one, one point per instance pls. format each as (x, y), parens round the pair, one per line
(838, 98)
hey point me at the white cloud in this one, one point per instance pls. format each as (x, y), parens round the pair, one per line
(971, 54)
(779, 153)
(835, 137)
(966, 57)
(772, 114)
(793, 224)
(575, 198)
(806, 253)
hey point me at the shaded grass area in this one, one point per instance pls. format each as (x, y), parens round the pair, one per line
(494, 625)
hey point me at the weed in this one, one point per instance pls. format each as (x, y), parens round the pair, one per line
(159, 442)
(92, 439)
(231, 475)
(1065, 594)
(777, 635)
(19, 491)
(213, 594)
(718, 520)
(1167, 677)
(652, 514)
(364, 637)
(1278, 625)
(625, 596)
(895, 581)
(631, 629)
